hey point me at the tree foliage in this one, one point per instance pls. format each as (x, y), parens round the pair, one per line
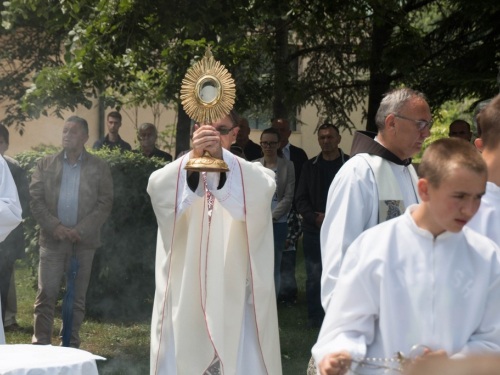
(135, 53)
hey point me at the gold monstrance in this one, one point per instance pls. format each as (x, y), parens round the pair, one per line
(207, 95)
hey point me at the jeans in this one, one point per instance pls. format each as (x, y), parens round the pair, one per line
(52, 267)
(280, 231)
(312, 255)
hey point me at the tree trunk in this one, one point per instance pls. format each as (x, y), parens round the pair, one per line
(183, 133)
(280, 69)
(380, 80)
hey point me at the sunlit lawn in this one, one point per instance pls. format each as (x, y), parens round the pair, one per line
(126, 345)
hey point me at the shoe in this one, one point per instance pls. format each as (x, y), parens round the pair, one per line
(12, 328)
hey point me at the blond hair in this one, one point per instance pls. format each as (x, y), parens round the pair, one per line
(445, 155)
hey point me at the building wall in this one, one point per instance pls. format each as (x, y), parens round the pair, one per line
(48, 130)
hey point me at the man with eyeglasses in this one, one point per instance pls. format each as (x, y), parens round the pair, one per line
(377, 183)
(215, 303)
(147, 136)
(310, 200)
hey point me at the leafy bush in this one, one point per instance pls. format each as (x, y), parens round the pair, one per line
(122, 281)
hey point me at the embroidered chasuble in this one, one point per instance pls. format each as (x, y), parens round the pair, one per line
(215, 306)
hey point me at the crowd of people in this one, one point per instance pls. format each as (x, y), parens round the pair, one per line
(394, 259)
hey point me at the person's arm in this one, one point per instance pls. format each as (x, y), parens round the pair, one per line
(302, 197)
(38, 206)
(352, 207)
(90, 224)
(285, 203)
(10, 207)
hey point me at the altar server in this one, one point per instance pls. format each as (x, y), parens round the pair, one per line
(215, 304)
(421, 278)
(487, 219)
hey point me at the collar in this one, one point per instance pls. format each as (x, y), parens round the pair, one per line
(424, 232)
(492, 188)
(364, 142)
(118, 141)
(320, 156)
(287, 146)
(65, 157)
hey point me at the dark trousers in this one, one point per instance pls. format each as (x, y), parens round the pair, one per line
(288, 285)
(6, 269)
(312, 255)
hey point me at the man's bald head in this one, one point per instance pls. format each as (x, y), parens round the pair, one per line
(460, 129)
(283, 127)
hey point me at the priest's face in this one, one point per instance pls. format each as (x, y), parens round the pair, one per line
(402, 134)
(455, 201)
(227, 131)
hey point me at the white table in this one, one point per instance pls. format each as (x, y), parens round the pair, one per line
(46, 360)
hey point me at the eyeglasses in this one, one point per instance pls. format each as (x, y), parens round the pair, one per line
(269, 144)
(224, 131)
(421, 124)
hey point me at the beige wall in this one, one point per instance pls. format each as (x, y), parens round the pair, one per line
(48, 130)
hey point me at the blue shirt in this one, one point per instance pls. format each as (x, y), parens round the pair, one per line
(67, 207)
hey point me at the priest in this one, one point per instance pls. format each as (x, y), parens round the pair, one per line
(377, 183)
(215, 305)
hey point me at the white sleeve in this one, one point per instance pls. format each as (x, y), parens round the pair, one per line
(349, 322)
(186, 196)
(10, 206)
(352, 207)
(231, 194)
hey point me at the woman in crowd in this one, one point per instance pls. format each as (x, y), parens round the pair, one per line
(283, 198)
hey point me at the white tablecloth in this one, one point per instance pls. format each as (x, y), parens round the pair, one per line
(46, 360)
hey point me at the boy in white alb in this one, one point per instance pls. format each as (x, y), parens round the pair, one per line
(421, 278)
(487, 220)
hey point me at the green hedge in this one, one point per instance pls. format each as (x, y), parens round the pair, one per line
(122, 281)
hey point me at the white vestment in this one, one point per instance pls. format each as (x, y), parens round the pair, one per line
(214, 283)
(10, 211)
(399, 287)
(353, 207)
(487, 219)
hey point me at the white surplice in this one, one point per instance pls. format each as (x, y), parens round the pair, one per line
(487, 219)
(214, 283)
(399, 287)
(10, 211)
(352, 207)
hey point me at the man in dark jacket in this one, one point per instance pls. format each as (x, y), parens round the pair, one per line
(71, 198)
(113, 139)
(310, 200)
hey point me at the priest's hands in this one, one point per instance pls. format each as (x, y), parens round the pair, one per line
(206, 138)
(335, 363)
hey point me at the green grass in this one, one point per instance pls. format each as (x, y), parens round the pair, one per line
(126, 345)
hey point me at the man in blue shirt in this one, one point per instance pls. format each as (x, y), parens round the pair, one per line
(71, 197)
